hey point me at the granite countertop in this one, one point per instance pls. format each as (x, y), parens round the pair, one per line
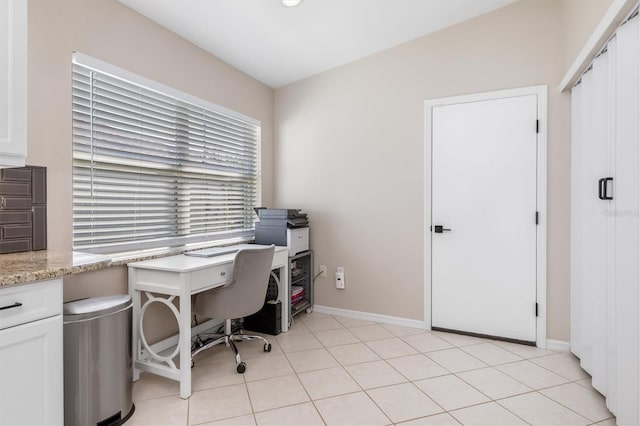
(19, 268)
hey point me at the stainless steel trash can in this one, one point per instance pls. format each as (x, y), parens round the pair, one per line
(97, 361)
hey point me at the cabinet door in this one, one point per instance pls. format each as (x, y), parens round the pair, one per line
(31, 379)
(13, 83)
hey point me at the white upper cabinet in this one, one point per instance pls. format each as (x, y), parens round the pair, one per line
(13, 83)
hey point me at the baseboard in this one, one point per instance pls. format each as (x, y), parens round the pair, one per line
(368, 316)
(172, 342)
(163, 345)
(558, 345)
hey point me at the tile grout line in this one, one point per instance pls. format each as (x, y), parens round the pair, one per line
(246, 388)
(415, 386)
(450, 373)
(558, 374)
(406, 378)
(569, 408)
(471, 385)
(361, 387)
(315, 407)
(362, 390)
(188, 410)
(341, 366)
(488, 366)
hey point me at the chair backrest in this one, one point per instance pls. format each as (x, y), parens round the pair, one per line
(245, 293)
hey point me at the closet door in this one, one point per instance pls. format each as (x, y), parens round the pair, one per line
(627, 255)
(610, 386)
(605, 230)
(578, 172)
(596, 317)
(589, 244)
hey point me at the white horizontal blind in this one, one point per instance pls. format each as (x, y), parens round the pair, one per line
(151, 170)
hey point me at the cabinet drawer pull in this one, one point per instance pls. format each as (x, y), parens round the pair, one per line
(223, 273)
(15, 305)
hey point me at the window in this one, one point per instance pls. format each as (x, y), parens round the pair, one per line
(154, 167)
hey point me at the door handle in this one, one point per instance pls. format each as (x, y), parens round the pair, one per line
(603, 185)
(600, 188)
(439, 229)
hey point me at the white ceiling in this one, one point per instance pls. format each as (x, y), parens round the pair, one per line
(279, 45)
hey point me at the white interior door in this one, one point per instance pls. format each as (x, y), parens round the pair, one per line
(484, 174)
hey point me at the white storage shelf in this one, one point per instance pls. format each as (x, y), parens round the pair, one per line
(301, 274)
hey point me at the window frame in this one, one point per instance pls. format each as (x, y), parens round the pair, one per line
(164, 244)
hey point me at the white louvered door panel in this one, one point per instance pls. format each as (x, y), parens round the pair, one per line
(605, 241)
(610, 387)
(595, 318)
(590, 217)
(627, 255)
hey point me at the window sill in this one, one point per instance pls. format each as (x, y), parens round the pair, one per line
(122, 259)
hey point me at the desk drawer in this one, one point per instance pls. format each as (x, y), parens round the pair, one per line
(210, 277)
(30, 302)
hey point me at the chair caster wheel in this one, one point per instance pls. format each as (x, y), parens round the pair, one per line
(241, 367)
(267, 347)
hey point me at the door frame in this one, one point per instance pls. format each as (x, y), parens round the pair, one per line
(541, 196)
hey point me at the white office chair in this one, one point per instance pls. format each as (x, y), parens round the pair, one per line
(242, 296)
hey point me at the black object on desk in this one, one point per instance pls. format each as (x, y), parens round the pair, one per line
(266, 320)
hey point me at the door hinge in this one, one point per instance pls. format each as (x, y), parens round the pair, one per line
(536, 309)
(537, 218)
(537, 126)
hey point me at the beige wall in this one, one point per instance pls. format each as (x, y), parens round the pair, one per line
(108, 30)
(350, 141)
(580, 17)
(349, 149)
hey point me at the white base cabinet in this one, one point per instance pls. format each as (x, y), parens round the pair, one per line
(31, 355)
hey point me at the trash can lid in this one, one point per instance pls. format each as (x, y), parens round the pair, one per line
(93, 307)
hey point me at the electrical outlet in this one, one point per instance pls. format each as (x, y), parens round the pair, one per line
(340, 278)
(323, 271)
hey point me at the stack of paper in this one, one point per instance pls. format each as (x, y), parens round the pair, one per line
(297, 293)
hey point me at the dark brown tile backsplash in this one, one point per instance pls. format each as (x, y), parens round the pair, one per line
(23, 209)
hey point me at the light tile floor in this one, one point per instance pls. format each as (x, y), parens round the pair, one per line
(331, 370)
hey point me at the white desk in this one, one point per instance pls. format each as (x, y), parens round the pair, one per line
(164, 279)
